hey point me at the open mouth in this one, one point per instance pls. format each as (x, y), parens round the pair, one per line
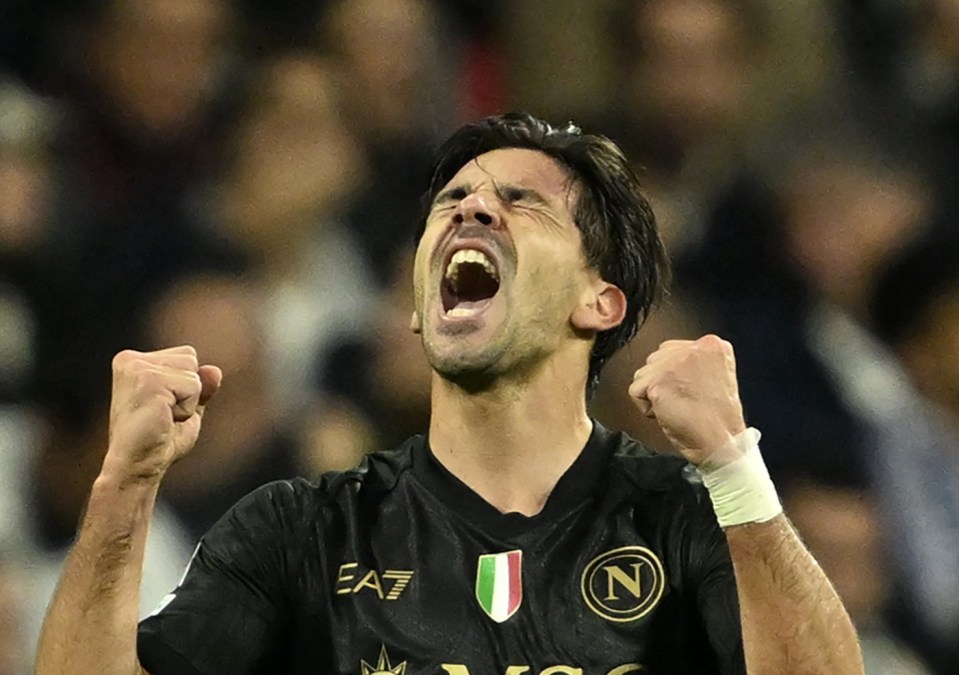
(469, 284)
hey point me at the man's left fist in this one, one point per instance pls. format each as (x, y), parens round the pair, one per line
(690, 388)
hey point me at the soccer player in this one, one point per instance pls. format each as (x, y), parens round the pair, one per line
(517, 536)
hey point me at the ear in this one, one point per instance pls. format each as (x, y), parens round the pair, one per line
(415, 324)
(603, 307)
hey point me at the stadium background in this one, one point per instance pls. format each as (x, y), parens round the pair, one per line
(245, 176)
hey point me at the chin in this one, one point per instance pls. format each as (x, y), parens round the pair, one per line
(473, 369)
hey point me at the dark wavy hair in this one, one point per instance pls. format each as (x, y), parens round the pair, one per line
(616, 223)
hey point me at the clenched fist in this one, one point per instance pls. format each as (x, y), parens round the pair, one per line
(690, 388)
(156, 409)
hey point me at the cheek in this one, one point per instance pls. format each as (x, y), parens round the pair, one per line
(553, 277)
(420, 269)
(557, 261)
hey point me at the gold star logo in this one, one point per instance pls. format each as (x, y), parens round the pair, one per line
(383, 666)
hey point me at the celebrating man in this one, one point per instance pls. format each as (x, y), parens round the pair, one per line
(518, 535)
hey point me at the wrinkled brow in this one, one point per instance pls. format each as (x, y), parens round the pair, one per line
(453, 193)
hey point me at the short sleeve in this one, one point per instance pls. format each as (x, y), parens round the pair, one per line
(229, 612)
(710, 575)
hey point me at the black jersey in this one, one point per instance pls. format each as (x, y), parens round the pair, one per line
(398, 567)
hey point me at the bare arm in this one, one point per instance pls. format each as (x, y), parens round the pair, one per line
(792, 620)
(92, 620)
(155, 414)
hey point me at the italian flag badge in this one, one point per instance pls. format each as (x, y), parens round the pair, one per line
(499, 584)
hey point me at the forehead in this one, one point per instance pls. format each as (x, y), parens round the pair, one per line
(520, 167)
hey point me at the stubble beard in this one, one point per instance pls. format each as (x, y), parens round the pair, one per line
(510, 357)
(473, 368)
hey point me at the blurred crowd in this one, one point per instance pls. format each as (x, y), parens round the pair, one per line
(245, 176)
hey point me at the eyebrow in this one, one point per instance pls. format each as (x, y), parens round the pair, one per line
(447, 194)
(524, 193)
(500, 189)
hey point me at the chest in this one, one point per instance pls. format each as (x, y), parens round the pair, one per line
(584, 596)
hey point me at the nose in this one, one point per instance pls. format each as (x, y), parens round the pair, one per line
(475, 207)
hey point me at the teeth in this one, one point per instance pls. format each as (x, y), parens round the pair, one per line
(469, 255)
(461, 311)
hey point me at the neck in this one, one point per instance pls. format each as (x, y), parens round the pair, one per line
(512, 443)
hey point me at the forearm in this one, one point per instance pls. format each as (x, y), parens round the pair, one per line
(792, 619)
(91, 623)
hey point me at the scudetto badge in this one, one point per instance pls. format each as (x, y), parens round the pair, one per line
(499, 584)
(623, 584)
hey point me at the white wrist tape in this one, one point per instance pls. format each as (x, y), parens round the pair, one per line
(742, 491)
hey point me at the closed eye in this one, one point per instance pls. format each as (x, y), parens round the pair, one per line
(512, 194)
(449, 197)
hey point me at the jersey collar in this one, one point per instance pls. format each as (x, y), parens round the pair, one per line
(575, 486)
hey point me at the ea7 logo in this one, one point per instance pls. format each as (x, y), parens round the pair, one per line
(388, 584)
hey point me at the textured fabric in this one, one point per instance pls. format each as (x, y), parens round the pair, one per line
(374, 571)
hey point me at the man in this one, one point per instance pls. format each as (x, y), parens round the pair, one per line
(519, 536)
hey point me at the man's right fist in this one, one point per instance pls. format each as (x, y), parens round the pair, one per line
(156, 409)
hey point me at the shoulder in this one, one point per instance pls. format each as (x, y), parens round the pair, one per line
(378, 472)
(647, 470)
(279, 509)
(667, 500)
(376, 475)
(664, 489)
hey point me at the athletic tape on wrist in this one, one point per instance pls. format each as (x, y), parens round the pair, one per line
(742, 491)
